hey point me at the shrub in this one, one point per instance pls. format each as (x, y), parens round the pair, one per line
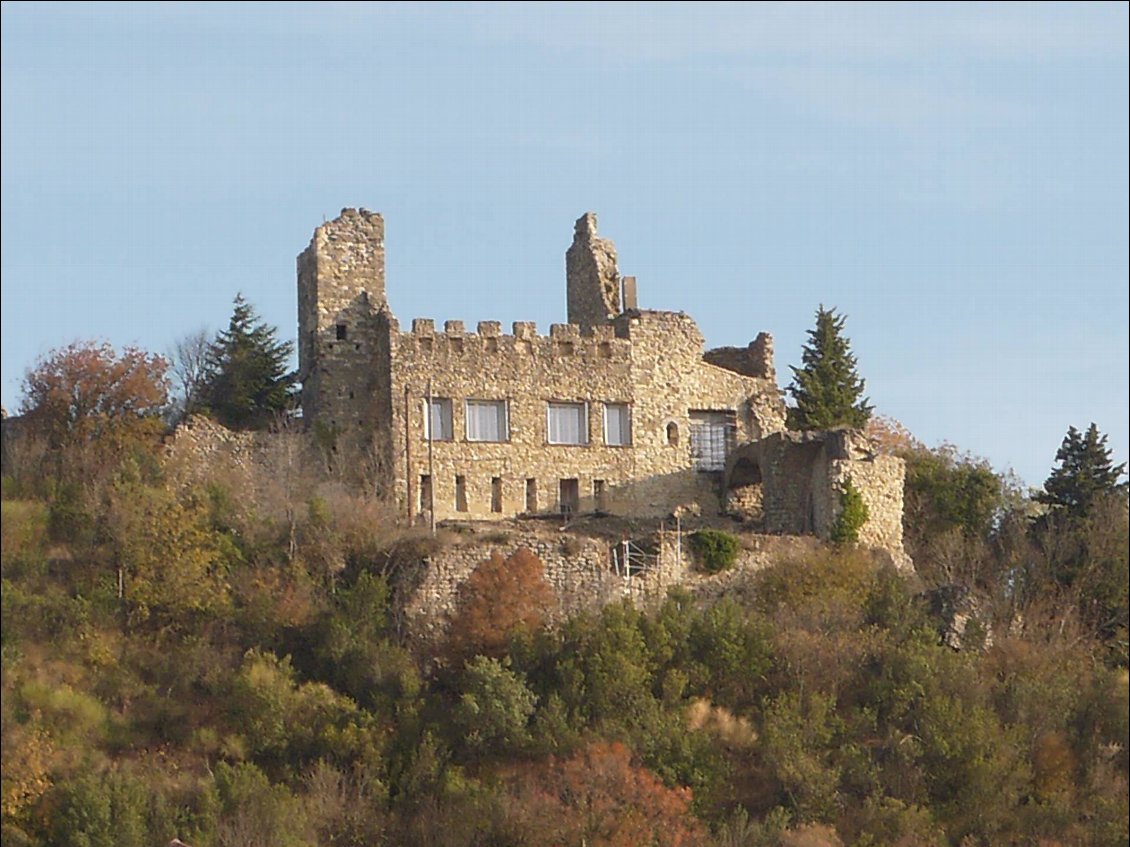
(717, 550)
(853, 515)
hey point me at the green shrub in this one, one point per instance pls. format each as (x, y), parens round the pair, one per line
(717, 550)
(853, 515)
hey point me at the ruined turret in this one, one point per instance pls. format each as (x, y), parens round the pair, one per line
(592, 278)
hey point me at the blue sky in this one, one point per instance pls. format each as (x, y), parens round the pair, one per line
(952, 177)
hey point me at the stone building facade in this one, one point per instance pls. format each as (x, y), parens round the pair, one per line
(621, 410)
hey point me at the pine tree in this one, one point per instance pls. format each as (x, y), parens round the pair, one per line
(827, 390)
(1084, 474)
(247, 383)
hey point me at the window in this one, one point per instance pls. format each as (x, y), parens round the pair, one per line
(531, 495)
(438, 424)
(567, 423)
(487, 421)
(712, 438)
(617, 425)
(341, 332)
(600, 495)
(672, 434)
(496, 494)
(460, 493)
(569, 496)
(425, 493)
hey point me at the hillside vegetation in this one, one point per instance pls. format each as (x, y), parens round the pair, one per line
(185, 661)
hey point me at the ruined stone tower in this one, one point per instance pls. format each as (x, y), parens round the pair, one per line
(341, 290)
(592, 279)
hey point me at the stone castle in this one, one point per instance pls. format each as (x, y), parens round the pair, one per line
(620, 411)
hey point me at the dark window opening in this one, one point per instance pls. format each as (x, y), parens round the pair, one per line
(496, 494)
(531, 495)
(569, 496)
(460, 493)
(342, 332)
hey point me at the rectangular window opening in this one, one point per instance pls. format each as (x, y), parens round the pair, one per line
(438, 423)
(567, 423)
(617, 425)
(341, 332)
(569, 496)
(425, 493)
(460, 493)
(496, 494)
(712, 438)
(487, 420)
(531, 495)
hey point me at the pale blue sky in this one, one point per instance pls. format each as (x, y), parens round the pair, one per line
(952, 177)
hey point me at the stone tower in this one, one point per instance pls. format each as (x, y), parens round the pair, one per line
(341, 288)
(592, 279)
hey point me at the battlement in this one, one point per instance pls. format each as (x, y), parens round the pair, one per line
(563, 339)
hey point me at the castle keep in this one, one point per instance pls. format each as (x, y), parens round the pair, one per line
(621, 410)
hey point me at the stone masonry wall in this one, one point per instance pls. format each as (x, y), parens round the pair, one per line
(592, 280)
(341, 286)
(650, 362)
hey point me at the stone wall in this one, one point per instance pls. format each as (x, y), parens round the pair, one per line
(801, 476)
(584, 572)
(648, 362)
(592, 279)
(341, 287)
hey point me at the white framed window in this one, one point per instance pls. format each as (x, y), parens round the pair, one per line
(567, 423)
(438, 423)
(617, 424)
(712, 439)
(487, 420)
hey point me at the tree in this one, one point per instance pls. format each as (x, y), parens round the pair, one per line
(827, 390)
(246, 382)
(1084, 475)
(500, 598)
(189, 365)
(90, 405)
(602, 797)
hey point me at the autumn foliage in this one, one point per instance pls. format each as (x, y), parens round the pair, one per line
(90, 403)
(502, 597)
(602, 797)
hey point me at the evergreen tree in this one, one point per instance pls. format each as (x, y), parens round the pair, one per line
(827, 390)
(1084, 474)
(246, 383)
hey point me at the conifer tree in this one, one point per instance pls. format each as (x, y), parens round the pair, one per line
(247, 382)
(1084, 474)
(827, 389)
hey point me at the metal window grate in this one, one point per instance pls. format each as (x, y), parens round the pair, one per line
(712, 439)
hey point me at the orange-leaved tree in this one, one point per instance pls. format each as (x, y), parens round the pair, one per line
(501, 597)
(90, 404)
(599, 796)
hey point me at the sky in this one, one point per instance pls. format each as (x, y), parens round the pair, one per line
(952, 178)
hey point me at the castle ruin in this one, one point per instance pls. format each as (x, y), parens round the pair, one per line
(620, 411)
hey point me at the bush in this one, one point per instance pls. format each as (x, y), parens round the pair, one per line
(717, 550)
(853, 515)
